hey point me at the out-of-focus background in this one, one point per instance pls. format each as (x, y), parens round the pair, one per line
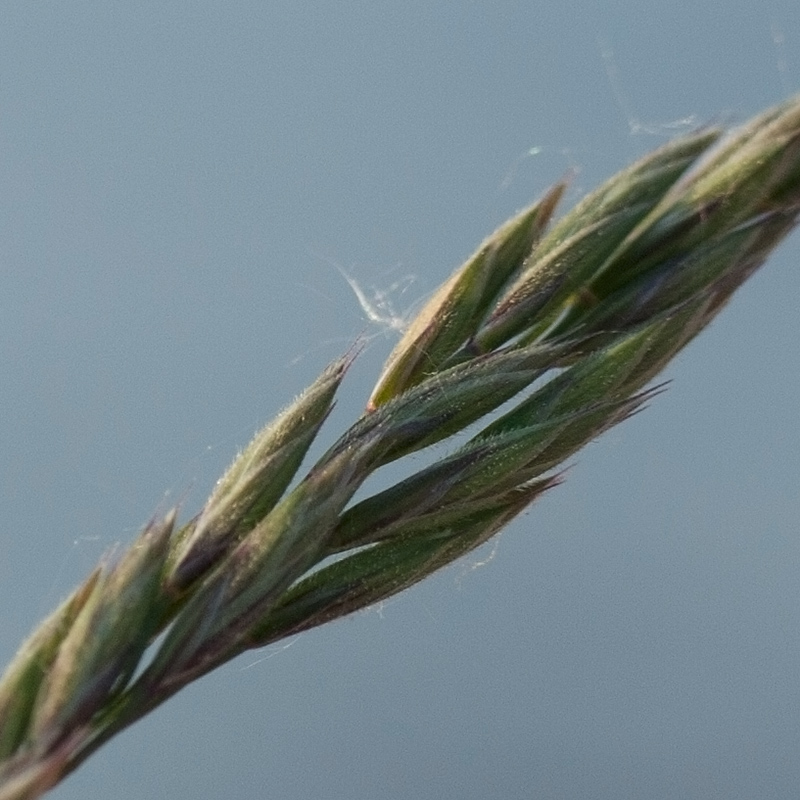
(187, 191)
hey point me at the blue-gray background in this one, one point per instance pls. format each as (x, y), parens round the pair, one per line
(180, 186)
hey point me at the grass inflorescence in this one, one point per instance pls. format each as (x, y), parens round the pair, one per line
(569, 320)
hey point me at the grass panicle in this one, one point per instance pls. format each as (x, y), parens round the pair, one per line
(569, 322)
